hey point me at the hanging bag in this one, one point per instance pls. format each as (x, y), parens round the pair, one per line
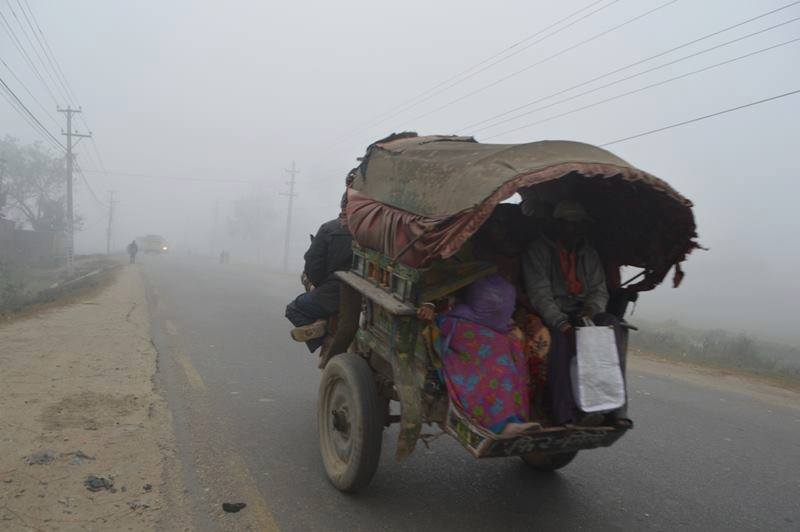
(597, 381)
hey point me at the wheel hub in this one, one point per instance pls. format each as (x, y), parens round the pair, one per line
(340, 420)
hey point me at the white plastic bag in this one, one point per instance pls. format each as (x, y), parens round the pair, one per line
(597, 381)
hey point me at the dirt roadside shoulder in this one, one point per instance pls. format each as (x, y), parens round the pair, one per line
(77, 399)
(764, 389)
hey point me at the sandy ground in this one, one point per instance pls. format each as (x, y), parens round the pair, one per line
(77, 398)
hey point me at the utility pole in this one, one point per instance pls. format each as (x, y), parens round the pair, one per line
(2, 192)
(111, 203)
(70, 161)
(291, 195)
(214, 229)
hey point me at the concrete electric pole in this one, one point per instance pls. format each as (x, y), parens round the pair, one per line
(2, 184)
(111, 203)
(291, 195)
(70, 162)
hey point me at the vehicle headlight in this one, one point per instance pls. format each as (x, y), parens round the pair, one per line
(163, 248)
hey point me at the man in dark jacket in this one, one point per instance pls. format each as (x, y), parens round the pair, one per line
(133, 249)
(331, 250)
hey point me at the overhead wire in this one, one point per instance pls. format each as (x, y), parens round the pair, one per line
(471, 71)
(15, 106)
(636, 75)
(38, 39)
(646, 87)
(701, 118)
(626, 67)
(55, 65)
(175, 178)
(18, 44)
(30, 114)
(35, 51)
(52, 54)
(89, 187)
(542, 61)
(34, 98)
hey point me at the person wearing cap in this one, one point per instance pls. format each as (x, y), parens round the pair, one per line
(566, 282)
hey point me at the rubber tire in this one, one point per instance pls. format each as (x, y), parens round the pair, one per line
(548, 462)
(354, 379)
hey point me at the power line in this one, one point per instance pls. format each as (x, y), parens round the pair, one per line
(626, 67)
(52, 54)
(89, 187)
(636, 75)
(58, 72)
(471, 72)
(30, 114)
(33, 46)
(646, 87)
(21, 49)
(14, 105)
(175, 178)
(34, 98)
(700, 118)
(44, 50)
(548, 58)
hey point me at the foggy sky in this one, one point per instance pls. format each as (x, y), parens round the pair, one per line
(237, 90)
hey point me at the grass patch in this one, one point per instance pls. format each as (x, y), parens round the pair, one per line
(718, 348)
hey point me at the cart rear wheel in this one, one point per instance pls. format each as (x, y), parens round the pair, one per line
(548, 461)
(350, 418)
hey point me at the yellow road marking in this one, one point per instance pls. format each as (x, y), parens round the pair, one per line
(194, 378)
(257, 508)
(192, 375)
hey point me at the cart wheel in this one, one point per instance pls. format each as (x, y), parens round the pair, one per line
(350, 418)
(548, 461)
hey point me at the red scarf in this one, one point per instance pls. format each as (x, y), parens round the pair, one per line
(569, 267)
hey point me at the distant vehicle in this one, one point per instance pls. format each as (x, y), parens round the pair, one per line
(153, 244)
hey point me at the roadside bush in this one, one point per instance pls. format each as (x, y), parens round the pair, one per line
(12, 292)
(717, 347)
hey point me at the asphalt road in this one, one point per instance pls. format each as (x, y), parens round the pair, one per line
(243, 397)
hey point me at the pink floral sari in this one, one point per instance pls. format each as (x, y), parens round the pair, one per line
(486, 374)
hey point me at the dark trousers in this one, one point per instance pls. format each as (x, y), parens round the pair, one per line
(133, 258)
(304, 310)
(559, 381)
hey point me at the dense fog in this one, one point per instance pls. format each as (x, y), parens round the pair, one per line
(198, 109)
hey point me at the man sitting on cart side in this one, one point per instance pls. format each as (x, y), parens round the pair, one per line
(331, 250)
(566, 282)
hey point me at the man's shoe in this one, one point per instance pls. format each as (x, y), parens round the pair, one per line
(304, 333)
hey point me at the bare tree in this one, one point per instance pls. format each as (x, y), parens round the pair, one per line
(34, 186)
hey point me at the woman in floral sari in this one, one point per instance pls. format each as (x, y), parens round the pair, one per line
(484, 365)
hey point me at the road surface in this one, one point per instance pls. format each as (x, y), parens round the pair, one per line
(243, 398)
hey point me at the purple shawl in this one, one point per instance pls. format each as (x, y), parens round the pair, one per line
(489, 301)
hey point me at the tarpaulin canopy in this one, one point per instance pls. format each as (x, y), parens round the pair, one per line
(418, 199)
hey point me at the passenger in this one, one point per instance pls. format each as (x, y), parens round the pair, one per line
(565, 282)
(484, 366)
(132, 249)
(500, 240)
(331, 250)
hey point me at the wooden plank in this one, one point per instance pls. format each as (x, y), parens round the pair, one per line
(377, 295)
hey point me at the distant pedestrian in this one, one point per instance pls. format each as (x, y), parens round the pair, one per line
(133, 249)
